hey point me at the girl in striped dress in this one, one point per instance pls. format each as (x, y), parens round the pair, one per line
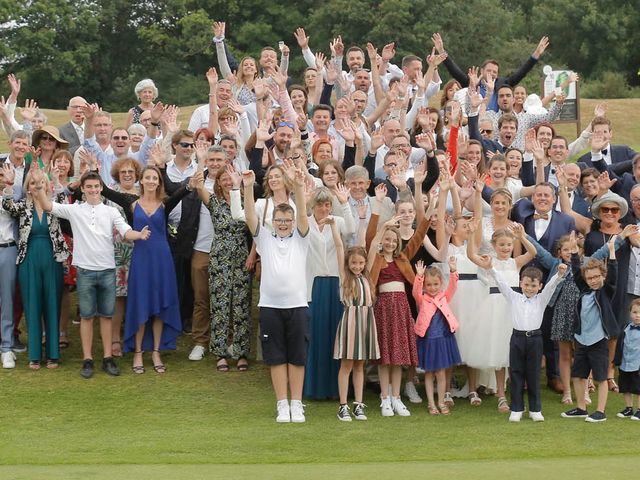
(356, 337)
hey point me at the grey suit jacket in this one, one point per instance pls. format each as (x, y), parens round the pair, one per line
(68, 133)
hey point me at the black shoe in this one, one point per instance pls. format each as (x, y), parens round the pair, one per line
(186, 327)
(110, 367)
(87, 369)
(626, 413)
(575, 413)
(18, 346)
(596, 417)
(636, 416)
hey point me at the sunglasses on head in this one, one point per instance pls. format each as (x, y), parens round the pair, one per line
(287, 124)
(609, 209)
(186, 144)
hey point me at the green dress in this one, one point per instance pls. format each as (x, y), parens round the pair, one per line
(41, 283)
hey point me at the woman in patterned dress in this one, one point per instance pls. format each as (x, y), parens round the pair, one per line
(229, 280)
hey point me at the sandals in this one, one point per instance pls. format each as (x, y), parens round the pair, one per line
(116, 351)
(590, 386)
(433, 410)
(474, 399)
(613, 386)
(448, 399)
(34, 365)
(566, 399)
(138, 369)
(222, 365)
(52, 364)
(63, 342)
(503, 405)
(444, 410)
(243, 365)
(158, 367)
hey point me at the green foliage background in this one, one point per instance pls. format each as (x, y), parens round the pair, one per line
(100, 49)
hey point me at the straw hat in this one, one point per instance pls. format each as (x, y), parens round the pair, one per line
(51, 131)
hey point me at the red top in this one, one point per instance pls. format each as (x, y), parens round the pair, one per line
(390, 273)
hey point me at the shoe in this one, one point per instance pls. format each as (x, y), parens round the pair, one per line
(596, 417)
(87, 369)
(138, 369)
(358, 411)
(575, 413)
(503, 405)
(385, 407)
(18, 346)
(297, 412)
(448, 399)
(197, 353)
(343, 413)
(636, 416)
(566, 399)
(536, 416)
(186, 328)
(8, 359)
(444, 410)
(243, 364)
(515, 416)
(399, 408)
(626, 413)
(474, 399)
(158, 367)
(110, 367)
(222, 365)
(284, 415)
(411, 393)
(555, 384)
(433, 410)
(613, 386)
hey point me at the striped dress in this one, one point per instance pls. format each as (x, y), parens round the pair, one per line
(356, 337)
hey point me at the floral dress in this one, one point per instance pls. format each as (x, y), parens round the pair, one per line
(122, 249)
(229, 281)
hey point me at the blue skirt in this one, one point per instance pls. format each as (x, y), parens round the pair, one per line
(438, 349)
(321, 372)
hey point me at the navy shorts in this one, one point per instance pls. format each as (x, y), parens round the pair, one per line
(593, 358)
(284, 333)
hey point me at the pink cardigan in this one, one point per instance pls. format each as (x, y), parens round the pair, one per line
(428, 305)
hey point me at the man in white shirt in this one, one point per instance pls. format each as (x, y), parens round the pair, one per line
(390, 130)
(92, 224)
(284, 312)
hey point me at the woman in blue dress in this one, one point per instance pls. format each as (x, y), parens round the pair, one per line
(152, 319)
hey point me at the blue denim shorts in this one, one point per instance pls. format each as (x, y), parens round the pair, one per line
(96, 292)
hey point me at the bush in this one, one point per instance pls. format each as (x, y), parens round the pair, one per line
(609, 85)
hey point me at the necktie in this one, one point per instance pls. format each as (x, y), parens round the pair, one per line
(541, 216)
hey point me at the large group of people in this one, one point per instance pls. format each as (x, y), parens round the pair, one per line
(389, 237)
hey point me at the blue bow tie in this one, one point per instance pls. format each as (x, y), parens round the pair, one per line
(634, 327)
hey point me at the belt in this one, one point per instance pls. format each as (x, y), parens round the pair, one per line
(5, 245)
(493, 290)
(527, 333)
(467, 276)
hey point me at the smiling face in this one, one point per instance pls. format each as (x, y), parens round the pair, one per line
(120, 142)
(500, 205)
(498, 171)
(298, 99)
(63, 164)
(215, 161)
(275, 178)
(530, 286)
(321, 120)
(330, 176)
(184, 148)
(146, 95)
(92, 188)
(543, 198)
(248, 68)
(474, 153)
(283, 223)
(407, 213)
(565, 252)
(609, 213)
(558, 151)
(590, 185)
(519, 95)
(356, 264)
(47, 143)
(230, 148)
(150, 180)
(544, 136)
(503, 246)
(223, 94)
(127, 176)
(390, 242)
(358, 187)
(514, 163)
(432, 285)
(321, 210)
(594, 278)
(355, 59)
(268, 59)
(572, 174)
(324, 153)
(283, 138)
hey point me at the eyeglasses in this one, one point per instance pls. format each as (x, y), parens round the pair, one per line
(635, 200)
(286, 124)
(391, 164)
(609, 209)
(47, 137)
(186, 144)
(402, 145)
(118, 137)
(283, 221)
(127, 171)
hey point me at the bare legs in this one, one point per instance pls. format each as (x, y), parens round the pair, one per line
(346, 367)
(564, 365)
(390, 374)
(156, 326)
(86, 336)
(287, 375)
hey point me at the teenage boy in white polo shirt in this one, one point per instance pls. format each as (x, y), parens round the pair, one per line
(284, 312)
(92, 223)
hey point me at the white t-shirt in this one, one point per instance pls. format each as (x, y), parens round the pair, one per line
(92, 227)
(284, 260)
(205, 225)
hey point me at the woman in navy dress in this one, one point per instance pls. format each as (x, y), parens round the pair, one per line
(152, 320)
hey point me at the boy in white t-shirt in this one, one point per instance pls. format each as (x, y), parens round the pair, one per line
(284, 312)
(92, 224)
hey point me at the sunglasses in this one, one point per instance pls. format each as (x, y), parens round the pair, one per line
(118, 137)
(287, 124)
(186, 144)
(47, 137)
(609, 209)
(488, 132)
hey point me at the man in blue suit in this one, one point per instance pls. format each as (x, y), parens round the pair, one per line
(617, 157)
(546, 225)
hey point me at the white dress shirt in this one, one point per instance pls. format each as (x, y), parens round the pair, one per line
(541, 225)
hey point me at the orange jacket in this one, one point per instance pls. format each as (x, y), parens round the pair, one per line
(428, 304)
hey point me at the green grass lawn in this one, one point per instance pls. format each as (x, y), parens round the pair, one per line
(214, 425)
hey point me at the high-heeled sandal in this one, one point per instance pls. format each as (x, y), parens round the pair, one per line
(158, 367)
(433, 410)
(444, 410)
(138, 369)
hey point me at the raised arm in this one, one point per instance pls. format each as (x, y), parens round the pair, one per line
(218, 29)
(297, 177)
(455, 71)
(520, 234)
(248, 179)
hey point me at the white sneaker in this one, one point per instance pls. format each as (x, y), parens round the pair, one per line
(411, 393)
(358, 411)
(399, 408)
(284, 415)
(8, 359)
(197, 353)
(536, 416)
(297, 412)
(516, 416)
(385, 407)
(343, 413)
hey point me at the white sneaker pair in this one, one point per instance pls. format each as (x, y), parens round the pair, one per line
(517, 416)
(391, 406)
(293, 413)
(8, 359)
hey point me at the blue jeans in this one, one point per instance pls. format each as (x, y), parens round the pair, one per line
(8, 272)
(96, 292)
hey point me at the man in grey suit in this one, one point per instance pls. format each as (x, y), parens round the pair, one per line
(73, 131)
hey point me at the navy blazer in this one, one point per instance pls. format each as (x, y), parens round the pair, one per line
(560, 224)
(621, 156)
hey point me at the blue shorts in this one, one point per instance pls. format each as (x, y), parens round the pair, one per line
(96, 292)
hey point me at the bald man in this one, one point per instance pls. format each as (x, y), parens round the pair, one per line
(73, 130)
